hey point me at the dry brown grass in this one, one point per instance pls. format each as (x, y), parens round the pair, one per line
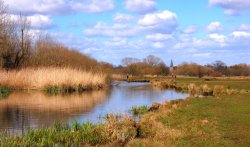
(218, 90)
(39, 78)
(193, 89)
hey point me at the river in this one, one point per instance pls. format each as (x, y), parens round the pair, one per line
(22, 111)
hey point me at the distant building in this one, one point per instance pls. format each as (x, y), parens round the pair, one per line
(171, 67)
(173, 75)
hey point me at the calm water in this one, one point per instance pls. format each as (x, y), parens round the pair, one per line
(24, 110)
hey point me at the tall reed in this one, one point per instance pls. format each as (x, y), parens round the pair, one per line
(63, 78)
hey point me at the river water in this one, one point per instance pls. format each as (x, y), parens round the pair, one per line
(25, 110)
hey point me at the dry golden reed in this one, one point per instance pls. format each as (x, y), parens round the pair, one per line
(39, 78)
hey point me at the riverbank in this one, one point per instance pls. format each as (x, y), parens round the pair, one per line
(220, 120)
(52, 80)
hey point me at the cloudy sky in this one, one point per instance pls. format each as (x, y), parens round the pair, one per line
(199, 31)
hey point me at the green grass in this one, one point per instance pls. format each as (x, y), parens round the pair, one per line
(228, 120)
(139, 110)
(60, 135)
(4, 92)
(210, 121)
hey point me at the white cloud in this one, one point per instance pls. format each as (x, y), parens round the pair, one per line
(37, 22)
(240, 34)
(119, 17)
(58, 7)
(40, 21)
(232, 7)
(214, 27)
(116, 41)
(158, 45)
(93, 6)
(159, 22)
(192, 42)
(115, 30)
(31, 7)
(244, 27)
(221, 39)
(140, 6)
(202, 55)
(159, 37)
(190, 29)
(163, 22)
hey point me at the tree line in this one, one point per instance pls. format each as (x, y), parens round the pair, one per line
(152, 65)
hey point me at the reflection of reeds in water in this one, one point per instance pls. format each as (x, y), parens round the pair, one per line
(27, 110)
(40, 101)
(62, 77)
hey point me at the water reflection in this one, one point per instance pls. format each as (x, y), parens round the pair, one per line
(24, 110)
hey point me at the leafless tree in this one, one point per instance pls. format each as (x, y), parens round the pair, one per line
(152, 60)
(128, 61)
(15, 41)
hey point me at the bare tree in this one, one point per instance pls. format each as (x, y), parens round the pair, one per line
(3, 16)
(128, 61)
(23, 41)
(15, 41)
(220, 67)
(152, 60)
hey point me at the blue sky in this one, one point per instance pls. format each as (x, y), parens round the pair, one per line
(199, 31)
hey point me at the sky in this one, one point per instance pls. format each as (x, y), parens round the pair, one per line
(200, 31)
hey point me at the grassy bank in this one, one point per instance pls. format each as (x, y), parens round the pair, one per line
(113, 131)
(52, 79)
(210, 121)
(221, 121)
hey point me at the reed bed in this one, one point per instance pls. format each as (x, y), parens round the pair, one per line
(46, 78)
